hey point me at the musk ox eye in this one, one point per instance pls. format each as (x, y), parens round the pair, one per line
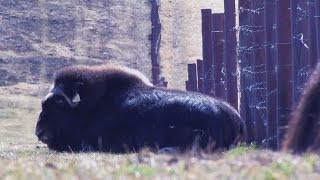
(59, 101)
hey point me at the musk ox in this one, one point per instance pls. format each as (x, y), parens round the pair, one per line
(303, 134)
(116, 109)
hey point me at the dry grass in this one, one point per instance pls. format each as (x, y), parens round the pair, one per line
(36, 162)
(23, 157)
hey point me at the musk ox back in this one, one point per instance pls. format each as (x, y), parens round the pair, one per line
(303, 134)
(118, 110)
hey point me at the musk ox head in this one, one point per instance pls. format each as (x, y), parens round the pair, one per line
(76, 92)
(57, 123)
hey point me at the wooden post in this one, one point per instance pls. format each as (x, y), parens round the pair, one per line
(300, 50)
(207, 51)
(230, 46)
(192, 78)
(284, 66)
(155, 42)
(312, 33)
(295, 41)
(163, 82)
(200, 76)
(318, 28)
(246, 61)
(218, 45)
(270, 58)
(259, 63)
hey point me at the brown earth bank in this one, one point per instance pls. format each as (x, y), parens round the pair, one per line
(38, 37)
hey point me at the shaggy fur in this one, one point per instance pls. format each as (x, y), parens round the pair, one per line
(120, 111)
(303, 133)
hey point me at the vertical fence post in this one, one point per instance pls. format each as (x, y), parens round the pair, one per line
(295, 46)
(207, 49)
(200, 76)
(259, 90)
(191, 84)
(300, 50)
(230, 52)
(270, 59)
(312, 33)
(284, 65)
(155, 41)
(246, 61)
(318, 27)
(218, 45)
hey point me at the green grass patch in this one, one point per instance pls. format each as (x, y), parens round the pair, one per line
(241, 150)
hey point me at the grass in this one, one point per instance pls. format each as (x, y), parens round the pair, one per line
(23, 157)
(36, 162)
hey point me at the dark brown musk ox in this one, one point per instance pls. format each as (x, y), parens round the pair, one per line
(116, 109)
(303, 134)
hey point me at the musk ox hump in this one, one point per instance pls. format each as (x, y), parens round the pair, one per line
(101, 72)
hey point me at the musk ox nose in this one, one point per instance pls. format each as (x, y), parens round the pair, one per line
(43, 136)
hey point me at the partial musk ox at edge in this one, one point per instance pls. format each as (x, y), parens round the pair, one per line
(116, 109)
(303, 134)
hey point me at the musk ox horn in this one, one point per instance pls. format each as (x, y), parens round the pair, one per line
(76, 99)
(57, 91)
